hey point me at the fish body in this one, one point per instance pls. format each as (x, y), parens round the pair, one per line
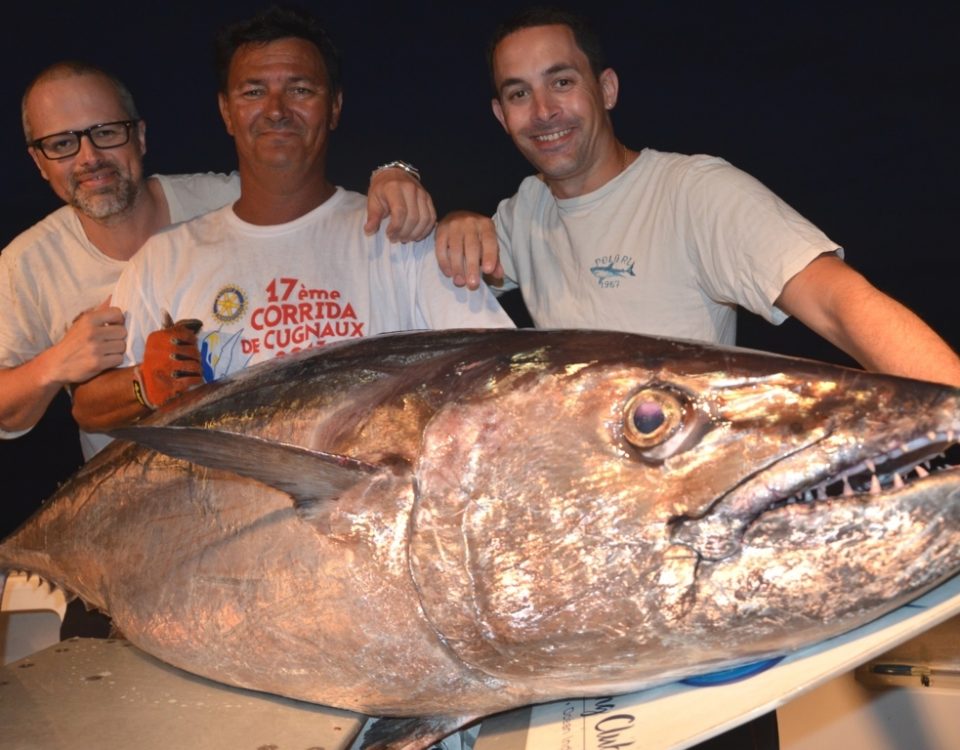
(451, 524)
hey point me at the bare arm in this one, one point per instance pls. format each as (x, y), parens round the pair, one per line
(880, 333)
(94, 343)
(398, 194)
(466, 245)
(107, 401)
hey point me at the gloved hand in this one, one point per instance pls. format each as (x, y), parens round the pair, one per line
(171, 362)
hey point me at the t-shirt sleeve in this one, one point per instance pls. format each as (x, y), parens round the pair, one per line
(440, 304)
(747, 242)
(504, 221)
(191, 195)
(21, 335)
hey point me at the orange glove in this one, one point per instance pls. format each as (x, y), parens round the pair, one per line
(171, 363)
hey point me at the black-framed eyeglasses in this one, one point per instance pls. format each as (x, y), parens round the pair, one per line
(66, 144)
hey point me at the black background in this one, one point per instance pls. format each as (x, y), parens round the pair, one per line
(845, 110)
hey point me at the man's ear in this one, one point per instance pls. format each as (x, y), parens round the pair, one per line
(38, 160)
(225, 112)
(141, 136)
(498, 112)
(335, 109)
(610, 87)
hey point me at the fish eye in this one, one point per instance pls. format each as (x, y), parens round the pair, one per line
(651, 417)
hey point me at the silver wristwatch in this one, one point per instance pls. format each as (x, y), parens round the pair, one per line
(408, 168)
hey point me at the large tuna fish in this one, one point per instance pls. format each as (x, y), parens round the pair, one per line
(444, 525)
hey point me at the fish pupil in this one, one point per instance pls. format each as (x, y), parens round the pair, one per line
(648, 417)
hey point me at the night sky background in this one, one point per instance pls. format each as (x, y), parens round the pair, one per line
(845, 110)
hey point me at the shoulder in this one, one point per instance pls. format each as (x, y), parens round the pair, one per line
(191, 194)
(532, 188)
(347, 200)
(669, 165)
(200, 181)
(696, 178)
(57, 232)
(531, 193)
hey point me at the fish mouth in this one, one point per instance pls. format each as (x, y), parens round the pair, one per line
(899, 474)
(898, 469)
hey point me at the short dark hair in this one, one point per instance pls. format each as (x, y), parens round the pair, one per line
(583, 34)
(276, 22)
(69, 69)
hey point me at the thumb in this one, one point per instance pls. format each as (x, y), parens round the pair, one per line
(375, 213)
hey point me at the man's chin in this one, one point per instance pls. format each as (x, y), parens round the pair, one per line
(103, 204)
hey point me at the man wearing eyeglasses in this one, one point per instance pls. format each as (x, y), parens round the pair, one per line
(88, 141)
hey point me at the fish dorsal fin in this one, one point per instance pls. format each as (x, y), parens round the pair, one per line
(312, 478)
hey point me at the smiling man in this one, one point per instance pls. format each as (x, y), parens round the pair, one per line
(87, 139)
(654, 242)
(289, 265)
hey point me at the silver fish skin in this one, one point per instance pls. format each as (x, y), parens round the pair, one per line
(450, 524)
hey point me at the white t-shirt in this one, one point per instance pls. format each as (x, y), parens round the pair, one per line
(266, 291)
(669, 247)
(51, 273)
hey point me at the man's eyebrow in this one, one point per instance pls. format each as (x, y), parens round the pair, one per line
(561, 67)
(506, 83)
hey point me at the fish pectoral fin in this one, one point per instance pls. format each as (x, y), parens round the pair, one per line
(311, 478)
(411, 733)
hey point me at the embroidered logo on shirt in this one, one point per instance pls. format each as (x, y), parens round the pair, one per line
(609, 269)
(230, 304)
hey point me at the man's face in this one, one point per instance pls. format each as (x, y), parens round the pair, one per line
(553, 106)
(100, 183)
(278, 106)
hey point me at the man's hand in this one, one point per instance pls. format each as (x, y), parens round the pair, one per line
(466, 245)
(171, 363)
(395, 193)
(94, 342)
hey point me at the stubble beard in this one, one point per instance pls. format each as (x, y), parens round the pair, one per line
(106, 202)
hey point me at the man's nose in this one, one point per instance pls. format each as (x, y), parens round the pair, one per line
(276, 106)
(544, 105)
(88, 150)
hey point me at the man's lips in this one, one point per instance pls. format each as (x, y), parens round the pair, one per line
(551, 137)
(95, 177)
(279, 132)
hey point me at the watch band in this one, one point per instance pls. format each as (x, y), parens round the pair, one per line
(408, 168)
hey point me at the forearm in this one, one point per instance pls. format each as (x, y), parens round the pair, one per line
(885, 336)
(25, 393)
(873, 328)
(107, 401)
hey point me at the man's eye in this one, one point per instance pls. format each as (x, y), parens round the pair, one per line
(514, 95)
(58, 145)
